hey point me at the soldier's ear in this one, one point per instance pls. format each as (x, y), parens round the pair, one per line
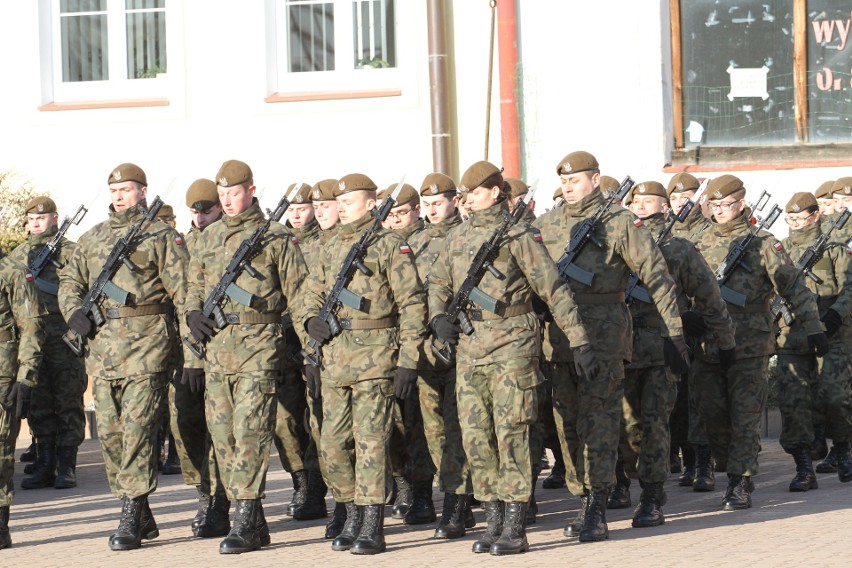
(596, 179)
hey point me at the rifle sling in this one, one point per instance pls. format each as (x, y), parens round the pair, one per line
(362, 324)
(135, 311)
(250, 318)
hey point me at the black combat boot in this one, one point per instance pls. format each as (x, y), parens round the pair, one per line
(244, 535)
(422, 510)
(204, 501)
(67, 477)
(556, 479)
(619, 498)
(404, 497)
(844, 461)
(215, 522)
(469, 519)
(819, 447)
(371, 538)
(128, 536)
(688, 476)
(594, 522)
(452, 523)
(573, 528)
(738, 493)
(493, 526)
(513, 538)
(829, 464)
(149, 530)
(351, 528)
(805, 479)
(313, 506)
(44, 473)
(262, 526)
(674, 460)
(300, 490)
(29, 454)
(335, 526)
(5, 537)
(705, 479)
(172, 463)
(649, 513)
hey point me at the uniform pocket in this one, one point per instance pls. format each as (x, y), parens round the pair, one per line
(525, 397)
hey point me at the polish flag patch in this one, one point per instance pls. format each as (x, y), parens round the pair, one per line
(537, 237)
(295, 240)
(778, 246)
(179, 240)
(405, 249)
(638, 222)
(29, 276)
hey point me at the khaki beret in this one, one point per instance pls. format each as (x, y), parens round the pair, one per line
(437, 183)
(842, 186)
(40, 204)
(577, 162)
(302, 196)
(801, 201)
(557, 194)
(517, 187)
(234, 172)
(609, 184)
(406, 195)
(166, 213)
(202, 195)
(723, 186)
(682, 182)
(479, 173)
(128, 172)
(824, 190)
(324, 190)
(649, 188)
(354, 182)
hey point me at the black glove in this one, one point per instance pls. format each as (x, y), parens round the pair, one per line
(727, 358)
(445, 330)
(81, 324)
(318, 329)
(585, 361)
(21, 395)
(676, 354)
(194, 378)
(404, 382)
(313, 380)
(693, 324)
(541, 309)
(818, 343)
(200, 325)
(832, 321)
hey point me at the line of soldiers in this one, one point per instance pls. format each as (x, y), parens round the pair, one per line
(377, 350)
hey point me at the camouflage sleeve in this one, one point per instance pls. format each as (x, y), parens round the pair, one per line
(311, 295)
(292, 273)
(410, 299)
(841, 260)
(699, 283)
(441, 282)
(73, 282)
(173, 261)
(789, 283)
(193, 298)
(28, 313)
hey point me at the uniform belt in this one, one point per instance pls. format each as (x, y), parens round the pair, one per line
(361, 324)
(135, 311)
(503, 313)
(611, 298)
(7, 335)
(748, 309)
(248, 318)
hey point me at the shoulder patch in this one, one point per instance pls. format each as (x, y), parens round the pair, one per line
(697, 247)
(179, 240)
(29, 276)
(405, 249)
(537, 236)
(778, 246)
(294, 239)
(637, 222)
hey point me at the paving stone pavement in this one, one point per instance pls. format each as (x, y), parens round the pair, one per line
(67, 528)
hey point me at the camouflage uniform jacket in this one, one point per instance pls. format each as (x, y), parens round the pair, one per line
(695, 283)
(21, 322)
(411, 230)
(771, 273)
(27, 252)
(842, 235)
(128, 346)
(626, 248)
(528, 215)
(692, 228)
(305, 234)
(246, 347)
(835, 292)
(527, 269)
(392, 290)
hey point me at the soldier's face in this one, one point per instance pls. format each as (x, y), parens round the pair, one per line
(844, 202)
(235, 199)
(126, 194)
(354, 205)
(802, 219)
(403, 216)
(438, 207)
(826, 206)
(203, 218)
(577, 186)
(300, 214)
(644, 206)
(482, 197)
(37, 223)
(727, 209)
(326, 214)
(678, 200)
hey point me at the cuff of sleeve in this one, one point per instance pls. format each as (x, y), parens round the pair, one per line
(814, 326)
(408, 357)
(27, 376)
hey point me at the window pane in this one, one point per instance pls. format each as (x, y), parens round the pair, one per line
(829, 71)
(85, 49)
(310, 39)
(73, 6)
(737, 60)
(146, 38)
(373, 33)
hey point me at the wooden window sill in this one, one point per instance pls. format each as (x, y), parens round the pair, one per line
(330, 95)
(121, 103)
(748, 158)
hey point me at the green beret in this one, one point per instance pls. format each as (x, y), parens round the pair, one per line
(302, 196)
(479, 173)
(324, 190)
(517, 187)
(202, 195)
(723, 186)
(406, 195)
(166, 213)
(609, 184)
(128, 172)
(682, 182)
(437, 183)
(577, 162)
(824, 190)
(842, 186)
(234, 172)
(801, 201)
(40, 204)
(649, 188)
(354, 182)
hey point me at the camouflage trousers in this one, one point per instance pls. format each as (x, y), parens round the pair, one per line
(441, 430)
(544, 432)
(128, 412)
(56, 408)
(498, 407)
(291, 438)
(588, 420)
(697, 435)
(356, 429)
(240, 410)
(9, 427)
(313, 456)
(806, 381)
(679, 419)
(419, 467)
(192, 440)
(396, 445)
(731, 404)
(649, 397)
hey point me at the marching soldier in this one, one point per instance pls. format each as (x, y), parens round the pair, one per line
(825, 199)
(517, 190)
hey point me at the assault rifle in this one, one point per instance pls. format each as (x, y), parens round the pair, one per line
(103, 285)
(49, 250)
(806, 263)
(468, 293)
(339, 294)
(240, 262)
(585, 233)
